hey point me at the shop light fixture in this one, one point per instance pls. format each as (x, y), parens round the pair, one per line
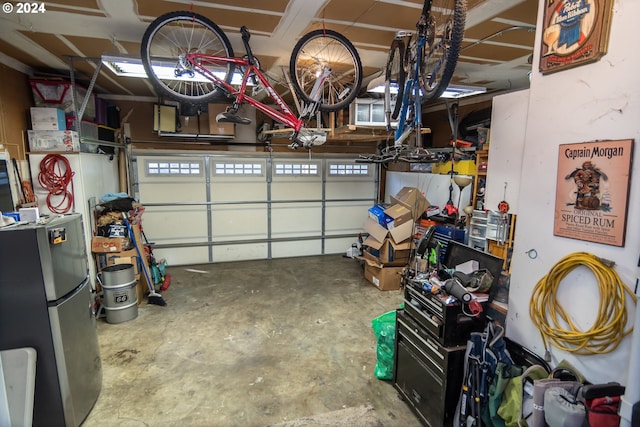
(461, 91)
(131, 66)
(453, 91)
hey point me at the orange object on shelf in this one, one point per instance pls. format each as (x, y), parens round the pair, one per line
(427, 223)
(463, 144)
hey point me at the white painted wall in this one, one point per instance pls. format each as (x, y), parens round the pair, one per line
(590, 102)
(94, 176)
(435, 187)
(508, 123)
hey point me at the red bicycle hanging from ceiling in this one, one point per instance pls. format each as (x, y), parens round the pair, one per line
(325, 70)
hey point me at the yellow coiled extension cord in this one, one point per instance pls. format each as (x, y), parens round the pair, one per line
(554, 322)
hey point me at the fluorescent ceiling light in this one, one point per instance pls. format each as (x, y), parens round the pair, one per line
(393, 88)
(459, 91)
(453, 91)
(131, 66)
(377, 85)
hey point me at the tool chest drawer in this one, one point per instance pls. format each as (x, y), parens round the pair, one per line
(427, 376)
(435, 356)
(448, 324)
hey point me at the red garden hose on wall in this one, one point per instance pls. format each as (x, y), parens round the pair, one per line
(55, 176)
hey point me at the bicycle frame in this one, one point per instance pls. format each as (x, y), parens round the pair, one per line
(411, 86)
(283, 115)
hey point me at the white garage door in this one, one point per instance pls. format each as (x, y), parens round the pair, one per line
(202, 208)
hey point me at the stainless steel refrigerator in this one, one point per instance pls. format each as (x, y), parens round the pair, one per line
(45, 303)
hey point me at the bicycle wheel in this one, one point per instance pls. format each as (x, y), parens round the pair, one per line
(316, 51)
(168, 39)
(445, 30)
(394, 80)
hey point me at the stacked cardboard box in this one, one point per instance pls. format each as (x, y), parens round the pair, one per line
(412, 199)
(389, 242)
(49, 131)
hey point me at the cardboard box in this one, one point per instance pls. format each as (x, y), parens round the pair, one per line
(375, 230)
(376, 239)
(376, 212)
(216, 128)
(53, 140)
(141, 289)
(402, 232)
(412, 199)
(398, 214)
(109, 244)
(382, 277)
(398, 248)
(389, 255)
(125, 257)
(388, 247)
(43, 118)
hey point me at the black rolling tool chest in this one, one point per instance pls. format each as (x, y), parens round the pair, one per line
(428, 376)
(431, 337)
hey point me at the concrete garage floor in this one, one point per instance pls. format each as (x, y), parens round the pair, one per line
(252, 343)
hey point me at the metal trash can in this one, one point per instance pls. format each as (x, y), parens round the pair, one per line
(119, 299)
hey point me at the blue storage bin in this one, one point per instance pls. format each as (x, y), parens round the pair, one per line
(450, 233)
(14, 215)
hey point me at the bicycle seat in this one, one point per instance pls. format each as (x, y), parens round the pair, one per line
(245, 40)
(403, 33)
(246, 35)
(227, 117)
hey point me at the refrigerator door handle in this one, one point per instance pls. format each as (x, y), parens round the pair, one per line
(70, 294)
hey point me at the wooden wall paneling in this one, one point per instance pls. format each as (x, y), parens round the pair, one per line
(15, 101)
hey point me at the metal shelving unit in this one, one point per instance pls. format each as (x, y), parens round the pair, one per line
(478, 230)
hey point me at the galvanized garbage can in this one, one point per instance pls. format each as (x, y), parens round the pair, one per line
(119, 299)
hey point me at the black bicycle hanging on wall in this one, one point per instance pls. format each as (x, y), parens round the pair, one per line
(419, 68)
(325, 70)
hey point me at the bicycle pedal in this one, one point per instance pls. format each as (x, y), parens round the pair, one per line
(226, 117)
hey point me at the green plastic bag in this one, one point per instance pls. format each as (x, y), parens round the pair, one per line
(384, 328)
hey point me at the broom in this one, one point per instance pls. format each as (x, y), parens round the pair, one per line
(154, 297)
(165, 279)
